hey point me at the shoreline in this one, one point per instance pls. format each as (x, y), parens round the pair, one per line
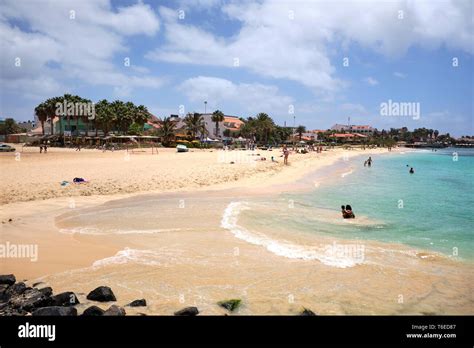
(30, 218)
(36, 177)
(202, 266)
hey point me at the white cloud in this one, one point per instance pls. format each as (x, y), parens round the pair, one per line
(371, 81)
(81, 44)
(273, 52)
(399, 75)
(252, 97)
(358, 108)
(274, 42)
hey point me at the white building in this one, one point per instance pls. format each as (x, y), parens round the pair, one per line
(365, 130)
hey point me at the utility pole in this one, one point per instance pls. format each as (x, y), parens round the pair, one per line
(205, 106)
(294, 130)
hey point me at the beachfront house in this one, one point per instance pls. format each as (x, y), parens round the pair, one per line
(64, 126)
(349, 137)
(346, 128)
(310, 136)
(227, 129)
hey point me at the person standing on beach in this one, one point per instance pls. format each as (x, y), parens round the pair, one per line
(286, 153)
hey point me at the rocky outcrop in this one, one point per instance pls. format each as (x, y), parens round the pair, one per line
(19, 299)
(188, 311)
(8, 279)
(31, 299)
(67, 298)
(115, 311)
(102, 294)
(231, 305)
(307, 312)
(93, 311)
(55, 311)
(137, 303)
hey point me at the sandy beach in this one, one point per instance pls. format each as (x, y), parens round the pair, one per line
(32, 176)
(31, 194)
(174, 266)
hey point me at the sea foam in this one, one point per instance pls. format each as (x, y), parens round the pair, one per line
(99, 231)
(327, 254)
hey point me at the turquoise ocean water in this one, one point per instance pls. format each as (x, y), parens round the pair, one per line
(432, 209)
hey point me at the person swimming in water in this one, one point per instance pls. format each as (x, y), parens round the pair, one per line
(412, 171)
(347, 212)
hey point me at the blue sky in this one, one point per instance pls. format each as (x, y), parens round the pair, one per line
(290, 57)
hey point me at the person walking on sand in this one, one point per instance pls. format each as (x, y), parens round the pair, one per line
(286, 153)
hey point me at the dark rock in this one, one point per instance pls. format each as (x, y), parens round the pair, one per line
(115, 311)
(31, 299)
(6, 310)
(8, 279)
(47, 291)
(137, 303)
(55, 311)
(16, 289)
(101, 294)
(3, 293)
(307, 312)
(67, 298)
(93, 311)
(230, 305)
(188, 311)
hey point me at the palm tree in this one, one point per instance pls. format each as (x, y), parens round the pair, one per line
(217, 116)
(195, 124)
(167, 129)
(249, 129)
(40, 112)
(141, 115)
(265, 126)
(104, 116)
(67, 98)
(122, 115)
(86, 118)
(50, 109)
(300, 130)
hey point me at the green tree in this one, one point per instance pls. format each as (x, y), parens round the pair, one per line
(167, 130)
(9, 127)
(104, 116)
(42, 114)
(135, 129)
(195, 124)
(265, 126)
(217, 116)
(300, 130)
(141, 115)
(249, 129)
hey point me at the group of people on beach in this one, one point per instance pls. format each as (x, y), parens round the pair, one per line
(43, 146)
